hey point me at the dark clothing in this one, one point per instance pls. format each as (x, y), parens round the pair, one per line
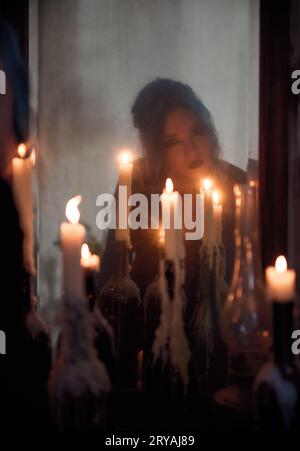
(144, 242)
(25, 366)
(12, 307)
(209, 362)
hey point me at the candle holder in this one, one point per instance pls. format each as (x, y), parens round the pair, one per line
(120, 302)
(79, 384)
(245, 320)
(151, 310)
(209, 355)
(166, 354)
(103, 334)
(277, 384)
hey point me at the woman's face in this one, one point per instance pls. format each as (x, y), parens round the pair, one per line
(187, 145)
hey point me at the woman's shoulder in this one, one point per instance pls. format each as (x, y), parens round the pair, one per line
(233, 173)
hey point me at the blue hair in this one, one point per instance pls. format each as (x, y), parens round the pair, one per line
(17, 75)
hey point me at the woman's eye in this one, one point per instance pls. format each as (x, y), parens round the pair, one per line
(198, 131)
(170, 143)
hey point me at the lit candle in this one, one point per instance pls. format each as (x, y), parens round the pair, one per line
(88, 260)
(280, 281)
(125, 180)
(72, 236)
(85, 256)
(161, 238)
(95, 263)
(217, 218)
(22, 167)
(208, 211)
(171, 214)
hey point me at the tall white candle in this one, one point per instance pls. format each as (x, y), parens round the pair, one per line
(23, 194)
(172, 218)
(217, 218)
(125, 181)
(280, 281)
(208, 211)
(72, 236)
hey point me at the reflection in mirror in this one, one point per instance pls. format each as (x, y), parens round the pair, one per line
(177, 84)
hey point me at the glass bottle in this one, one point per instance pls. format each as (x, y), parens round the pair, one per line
(162, 381)
(151, 310)
(120, 303)
(79, 384)
(277, 383)
(245, 319)
(103, 334)
(209, 361)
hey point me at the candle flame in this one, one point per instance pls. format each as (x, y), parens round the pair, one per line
(161, 236)
(169, 185)
(281, 264)
(216, 197)
(85, 252)
(22, 150)
(237, 189)
(33, 158)
(125, 157)
(207, 184)
(95, 262)
(72, 211)
(238, 195)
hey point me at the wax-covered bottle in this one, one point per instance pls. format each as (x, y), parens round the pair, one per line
(120, 303)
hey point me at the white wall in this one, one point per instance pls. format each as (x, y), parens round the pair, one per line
(95, 55)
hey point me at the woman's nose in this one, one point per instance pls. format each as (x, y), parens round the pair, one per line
(192, 152)
(190, 149)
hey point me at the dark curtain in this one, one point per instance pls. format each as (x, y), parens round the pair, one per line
(274, 125)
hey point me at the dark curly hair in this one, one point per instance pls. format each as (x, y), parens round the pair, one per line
(151, 107)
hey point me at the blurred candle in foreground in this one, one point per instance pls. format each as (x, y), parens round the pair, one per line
(22, 167)
(280, 281)
(217, 218)
(72, 235)
(125, 180)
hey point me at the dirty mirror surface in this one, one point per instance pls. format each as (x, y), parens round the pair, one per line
(176, 83)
